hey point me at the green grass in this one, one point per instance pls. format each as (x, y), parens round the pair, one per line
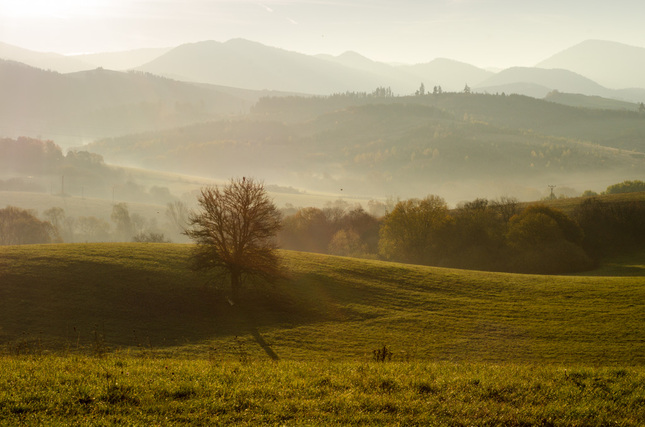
(630, 264)
(126, 390)
(71, 297)
(126, 334)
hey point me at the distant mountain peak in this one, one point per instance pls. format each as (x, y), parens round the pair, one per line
(550, 79)
(611, 64)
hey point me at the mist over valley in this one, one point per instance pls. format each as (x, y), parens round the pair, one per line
(323, 123)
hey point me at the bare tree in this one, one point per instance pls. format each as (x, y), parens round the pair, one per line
(235, 232)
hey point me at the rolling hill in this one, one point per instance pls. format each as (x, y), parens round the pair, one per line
(329, 308)
(251, 65)
(586, 101)
(405, 79)
(121, 60)
(44, 60)
(451, 75)
(455, 145)
(77, 107)
(560, 80)
(611, 64)
(245, 64)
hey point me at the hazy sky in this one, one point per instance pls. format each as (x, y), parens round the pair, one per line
(486, 33)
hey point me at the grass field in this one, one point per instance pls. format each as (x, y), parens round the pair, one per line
(124, 390)
(331, 308)
(629, 264)
(127, 334)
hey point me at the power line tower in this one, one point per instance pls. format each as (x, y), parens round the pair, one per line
(551, 187)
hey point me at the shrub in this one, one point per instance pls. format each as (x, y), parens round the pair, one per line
(626, 187)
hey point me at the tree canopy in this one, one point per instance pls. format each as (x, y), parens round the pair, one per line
(235, 232)
(21, 227)
(410, 233)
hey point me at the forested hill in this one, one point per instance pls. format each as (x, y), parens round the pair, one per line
(99, 102)
(474, 145)
(610, 127)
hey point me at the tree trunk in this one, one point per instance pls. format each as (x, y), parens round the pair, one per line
(235, 285)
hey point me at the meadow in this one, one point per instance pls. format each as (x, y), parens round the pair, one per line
(126, 390)
(127, 333)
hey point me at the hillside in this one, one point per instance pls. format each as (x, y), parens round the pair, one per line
(456, 145)
(246, 64)
(586, 101)
(249, 65)
(77, 107)
(592, 68)
(43, 60)
(68, 296)
(562, 80)
(538, 82)
(122, 60)
(405, 79)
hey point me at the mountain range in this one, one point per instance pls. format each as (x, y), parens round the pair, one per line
(213, 108)
(593, 68)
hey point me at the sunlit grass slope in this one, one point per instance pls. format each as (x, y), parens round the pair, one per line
(144, 295)
(142, 391)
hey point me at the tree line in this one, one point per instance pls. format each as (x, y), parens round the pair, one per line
(23, 226)
(236, 227)
(496, 235)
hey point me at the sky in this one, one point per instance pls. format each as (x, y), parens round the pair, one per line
(485, 33)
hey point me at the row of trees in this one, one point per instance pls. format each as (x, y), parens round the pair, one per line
(333, 230)
(499, 235)
(483, 235)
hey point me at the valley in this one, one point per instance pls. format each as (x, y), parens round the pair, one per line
(532, 169)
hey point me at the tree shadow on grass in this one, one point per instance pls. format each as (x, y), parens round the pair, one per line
(152, 313)
(266, 347)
